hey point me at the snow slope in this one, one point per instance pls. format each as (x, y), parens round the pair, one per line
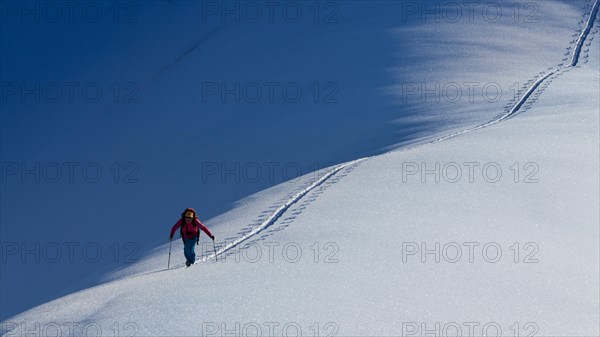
(370, 222)
(370, 50)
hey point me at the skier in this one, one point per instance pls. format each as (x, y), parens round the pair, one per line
(190, 233)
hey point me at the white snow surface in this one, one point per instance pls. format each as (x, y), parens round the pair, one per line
(502, 239)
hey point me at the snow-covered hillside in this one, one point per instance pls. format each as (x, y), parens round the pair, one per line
(488, 228)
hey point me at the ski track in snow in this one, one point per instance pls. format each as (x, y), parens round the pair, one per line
(529, 94)
(584, 33)
(526, 97)
(278, 213)
(532, 89)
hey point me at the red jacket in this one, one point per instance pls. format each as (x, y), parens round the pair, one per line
(189, 230)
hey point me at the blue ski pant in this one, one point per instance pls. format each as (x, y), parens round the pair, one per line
(189, 246)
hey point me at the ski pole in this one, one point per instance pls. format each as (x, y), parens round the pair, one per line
(169, 262)
(215, 248)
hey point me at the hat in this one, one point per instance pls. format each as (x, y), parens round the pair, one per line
(189, 212)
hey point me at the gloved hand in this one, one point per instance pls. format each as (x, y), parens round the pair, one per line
(212, 237)
(170, 238)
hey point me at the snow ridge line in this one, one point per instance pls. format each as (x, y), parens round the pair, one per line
(500, 118)
(584, 33)
(279, 211)
(526, 96)
(515, 108)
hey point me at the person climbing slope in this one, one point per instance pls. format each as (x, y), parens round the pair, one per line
(190, 233)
